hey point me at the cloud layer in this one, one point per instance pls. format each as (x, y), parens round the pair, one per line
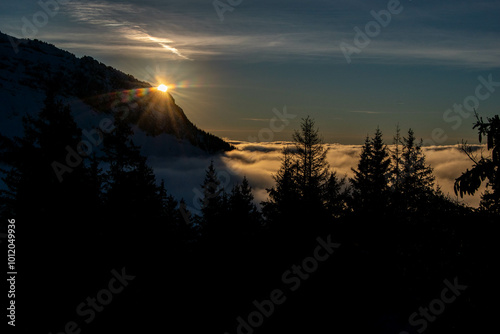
(259, 161)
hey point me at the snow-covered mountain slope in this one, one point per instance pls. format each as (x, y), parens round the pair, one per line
(93, 91)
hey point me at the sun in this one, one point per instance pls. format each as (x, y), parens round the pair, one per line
(162, 88)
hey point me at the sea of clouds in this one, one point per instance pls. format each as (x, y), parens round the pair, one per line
(183, 176)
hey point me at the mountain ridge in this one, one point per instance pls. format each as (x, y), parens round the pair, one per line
(35, 66)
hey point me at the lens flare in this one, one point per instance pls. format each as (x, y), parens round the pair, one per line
(162, 88)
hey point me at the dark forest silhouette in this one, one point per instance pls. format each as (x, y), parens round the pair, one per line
(399, 236)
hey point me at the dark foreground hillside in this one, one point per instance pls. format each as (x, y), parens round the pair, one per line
(107, 249)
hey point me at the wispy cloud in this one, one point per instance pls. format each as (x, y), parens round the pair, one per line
(105, 14)
(188, 31)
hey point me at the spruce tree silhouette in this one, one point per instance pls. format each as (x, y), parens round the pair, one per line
(174, 227)
(311, 164)
(361, 181)
(213, 208)
(296, 202)
(169, 204)
(283, 199)
(337, 196)
(417, 180)
(370, 181)
(243, 213)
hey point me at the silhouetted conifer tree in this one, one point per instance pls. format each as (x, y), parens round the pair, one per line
(417, 181)
(336, 196)
(361, 181)
(243, 213)
(212, 204)
(370, 181)
(178, 227)
(309, 158)
(298, 197)
(284, 197)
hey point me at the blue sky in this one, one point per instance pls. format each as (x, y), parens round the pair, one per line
(229, 74)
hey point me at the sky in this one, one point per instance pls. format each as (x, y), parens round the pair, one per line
(234, 65)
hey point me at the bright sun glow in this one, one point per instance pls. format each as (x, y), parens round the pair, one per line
(162, 88)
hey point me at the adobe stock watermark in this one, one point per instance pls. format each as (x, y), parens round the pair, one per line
(459, 112)
(31, 24)
(293, 279)
(372, 29)
(449, 294)
(276, 124)
(221, 7)
(92, 305)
